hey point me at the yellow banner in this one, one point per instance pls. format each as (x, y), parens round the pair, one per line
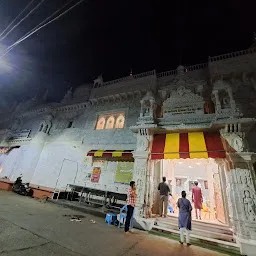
(197, 146)
(172, 144)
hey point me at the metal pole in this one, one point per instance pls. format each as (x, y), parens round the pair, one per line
(76, 169)
(58, 178)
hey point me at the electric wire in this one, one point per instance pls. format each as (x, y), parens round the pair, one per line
(42, 26)
(41, 23)
(24, 9)
(34, 9)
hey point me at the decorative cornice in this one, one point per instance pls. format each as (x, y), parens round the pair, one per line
(240, 156)
(136, 128)
(17, 142)
(187, 119)
(72, 107)
(187, 126)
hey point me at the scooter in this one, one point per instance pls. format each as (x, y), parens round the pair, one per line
(22, 188)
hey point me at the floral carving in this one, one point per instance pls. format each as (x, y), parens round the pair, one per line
(142, 143)
(249, 205)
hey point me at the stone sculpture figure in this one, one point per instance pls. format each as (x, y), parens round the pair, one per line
(142, 143)
(249, 205)
(98, 81)
(148, 105)
(68, 96)
(225, 102)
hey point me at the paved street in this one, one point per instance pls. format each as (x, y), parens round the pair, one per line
(30, 227)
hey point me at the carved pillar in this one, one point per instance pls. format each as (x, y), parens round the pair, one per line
(232, 102)
(217, 101)
(199, 89)
(141, 108)
(221, 172)
(152, 108)
(141, 170)
(241, 194)
(243, 202)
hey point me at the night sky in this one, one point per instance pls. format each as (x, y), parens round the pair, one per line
(111, 37)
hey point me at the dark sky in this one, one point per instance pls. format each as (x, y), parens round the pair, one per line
(110, 37)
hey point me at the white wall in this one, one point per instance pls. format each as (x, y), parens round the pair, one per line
(8, 162)
(20, 161)
(50, 163)
(62, 163)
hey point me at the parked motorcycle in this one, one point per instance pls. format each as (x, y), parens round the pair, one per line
(22, 188)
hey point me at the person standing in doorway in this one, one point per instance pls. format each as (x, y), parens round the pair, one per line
(164, 192)
(185, 209)
(197, 199)
(131, 201)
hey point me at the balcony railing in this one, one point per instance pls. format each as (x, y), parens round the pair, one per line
(232, 54)
(167, 73)
(145, 74)
(196, 67)
(186, 69)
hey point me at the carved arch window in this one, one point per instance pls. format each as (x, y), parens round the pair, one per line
(120, 122)
(110, 122)
(46, 128)
(101, 123)
(41, 128)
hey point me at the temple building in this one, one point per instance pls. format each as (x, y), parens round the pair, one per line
(194, 123)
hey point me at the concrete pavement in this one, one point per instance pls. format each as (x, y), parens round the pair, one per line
(30, 227)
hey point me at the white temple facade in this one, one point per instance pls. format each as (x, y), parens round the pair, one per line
(195, 123)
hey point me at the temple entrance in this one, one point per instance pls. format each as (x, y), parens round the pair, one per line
(181, 175)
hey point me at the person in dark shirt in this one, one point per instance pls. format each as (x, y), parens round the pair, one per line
(164, 192)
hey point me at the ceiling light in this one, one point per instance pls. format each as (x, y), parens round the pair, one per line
(190, 167)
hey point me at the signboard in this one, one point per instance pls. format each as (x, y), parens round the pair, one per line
(124, 172)
(96, 171)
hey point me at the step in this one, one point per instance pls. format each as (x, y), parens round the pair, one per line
(197, 224)
(197, 231)
(202, 239)
(202, 222)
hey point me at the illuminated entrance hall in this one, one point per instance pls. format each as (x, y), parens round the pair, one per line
(184, 158)
(181, 175)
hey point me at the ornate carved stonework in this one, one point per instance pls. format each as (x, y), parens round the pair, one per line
(142, 143)
(139, 176)
(98, 82)
(183, 101)
(148, 109)
(68, 96)
(243, 203)
(235, 140)
(141, 170)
